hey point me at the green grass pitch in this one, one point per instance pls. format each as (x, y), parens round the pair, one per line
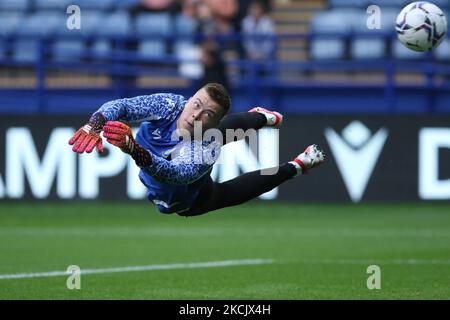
(317, 251)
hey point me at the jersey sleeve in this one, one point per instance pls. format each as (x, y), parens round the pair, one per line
(143, 108)
(192, 161)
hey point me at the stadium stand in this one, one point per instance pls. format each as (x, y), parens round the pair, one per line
(112, 43)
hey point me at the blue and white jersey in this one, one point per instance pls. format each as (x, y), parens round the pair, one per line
(178, 169)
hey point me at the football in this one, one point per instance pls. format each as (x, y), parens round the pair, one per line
(421, 26)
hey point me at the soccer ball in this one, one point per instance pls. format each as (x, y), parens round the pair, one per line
(421, 26)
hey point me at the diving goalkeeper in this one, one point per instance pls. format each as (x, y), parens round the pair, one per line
(176, 169)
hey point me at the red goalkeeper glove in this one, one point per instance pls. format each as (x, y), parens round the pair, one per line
(88, 136)
(120, 135)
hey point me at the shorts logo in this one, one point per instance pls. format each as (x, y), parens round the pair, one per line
(356, 152)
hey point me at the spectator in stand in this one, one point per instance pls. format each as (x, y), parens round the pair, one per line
(171, 6)
(258, 23)
(225, 13)
(207, 25)
(214, 65)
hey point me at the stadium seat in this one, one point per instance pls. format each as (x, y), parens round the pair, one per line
(94, 4)
(398, 4)
(38, 24)
(152, 49)
(443, 51)
(115, 24)
(325, 47)
(42, 23)
(371, 43)
(68, 50)
(52, 4)
(443, 4)
(190, 66)
(185, 25)
(368, 48)
(14, 5)
(331, 48)
(399, 51)
(101, 49)
(90, 22)
(388, 17)
(10, 23)
(124, 4)
(335, 21)
(26, 51)
(148, 24)
(153, 24)
(3, 50)
(346, 3)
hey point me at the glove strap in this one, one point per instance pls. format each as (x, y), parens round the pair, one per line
(141, 156)
(96, 122)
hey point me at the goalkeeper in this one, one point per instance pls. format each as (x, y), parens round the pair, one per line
(176, 169)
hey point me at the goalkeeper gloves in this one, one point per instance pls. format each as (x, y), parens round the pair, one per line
(88, 136)
(120, 135)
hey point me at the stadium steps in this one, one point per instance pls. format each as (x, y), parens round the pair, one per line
(353, 78)
(294, 17)
(77, 81)
(161, 82)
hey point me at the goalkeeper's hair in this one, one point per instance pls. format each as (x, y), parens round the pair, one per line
(219, 94)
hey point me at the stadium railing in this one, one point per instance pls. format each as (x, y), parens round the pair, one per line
(119, 63)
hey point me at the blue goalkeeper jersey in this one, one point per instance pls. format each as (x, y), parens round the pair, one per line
(179, 168)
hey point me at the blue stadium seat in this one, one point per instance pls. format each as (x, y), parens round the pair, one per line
(101, 49)
(389, 3)
(52, 4)
(68, 50)
(115, 24)
(185, 25)
(189, 54)
(443, 51)
(90, 22)
(14, 5)
(25, 51)
(388, 17)
(335, 21)
(10, 23)
(371, 43)
(323, 49)
(153, 24)
(38, 24)
(42, 23)
(347, 3)
(368, 48)
(399, 51)
(181, 47)
(125, 4)
(3, 50)
(152, 49)
(94, 4)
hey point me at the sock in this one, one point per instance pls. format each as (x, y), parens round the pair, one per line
(299, 166)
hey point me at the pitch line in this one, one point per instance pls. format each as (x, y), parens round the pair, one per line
(188, 265)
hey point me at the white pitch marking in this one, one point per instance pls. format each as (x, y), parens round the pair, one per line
(188, 265)
(380, 261)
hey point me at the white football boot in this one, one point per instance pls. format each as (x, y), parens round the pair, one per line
(310, 158)
(274, 119)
